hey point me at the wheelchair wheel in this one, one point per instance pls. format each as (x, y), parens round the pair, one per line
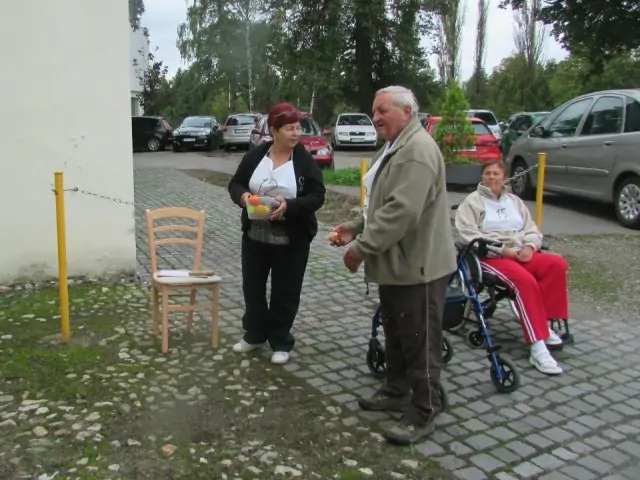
(376, 359)
(447, 350)
(510, 377)
(475, 339)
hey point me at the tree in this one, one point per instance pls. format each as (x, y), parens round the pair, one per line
(449, 36)
(598, 29)
(454, 132)
(154, 85)
(136, 9)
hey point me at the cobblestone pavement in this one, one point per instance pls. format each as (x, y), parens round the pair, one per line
(584, 424)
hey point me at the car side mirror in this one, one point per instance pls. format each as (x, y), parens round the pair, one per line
(538, 131)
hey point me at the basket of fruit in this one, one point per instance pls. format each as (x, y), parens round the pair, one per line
(259, 208)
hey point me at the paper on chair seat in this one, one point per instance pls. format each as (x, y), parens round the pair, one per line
(174, 273)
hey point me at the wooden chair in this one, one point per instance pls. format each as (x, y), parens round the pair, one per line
(173, 283)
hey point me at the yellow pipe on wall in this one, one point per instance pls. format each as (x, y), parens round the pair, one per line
(62, 258)
(363, 171)
(542, 165)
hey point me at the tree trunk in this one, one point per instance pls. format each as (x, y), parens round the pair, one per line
(313, 98)
(247, 44)
(364, 60)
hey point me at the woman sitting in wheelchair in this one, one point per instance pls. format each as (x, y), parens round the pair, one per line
(538, 280)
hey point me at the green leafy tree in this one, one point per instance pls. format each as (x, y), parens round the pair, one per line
(136, 9)
(454, 132)
(154, 87)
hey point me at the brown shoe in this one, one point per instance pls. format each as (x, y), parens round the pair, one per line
(406, 433)
(380, 401)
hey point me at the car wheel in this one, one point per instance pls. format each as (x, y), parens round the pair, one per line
(521, 185)
(627, 202)
(153, 144)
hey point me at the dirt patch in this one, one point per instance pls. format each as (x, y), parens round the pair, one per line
(117, 408)
(337, 207)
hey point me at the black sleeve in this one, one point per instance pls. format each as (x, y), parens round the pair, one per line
(239, 183)
(314, 191)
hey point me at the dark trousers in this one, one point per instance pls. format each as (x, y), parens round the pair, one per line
(272, 322)
(412, 322)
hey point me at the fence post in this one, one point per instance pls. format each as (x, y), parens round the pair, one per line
(363, 171)
(62, 257)
(542, 165)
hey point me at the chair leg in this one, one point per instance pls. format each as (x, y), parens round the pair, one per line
(215, 315)
(155, 314)
(165, 321)
(192, 302)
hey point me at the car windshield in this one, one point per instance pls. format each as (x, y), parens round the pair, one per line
(196, 122)
(536, 117)
(486, 117)
(241, 120)
(354, 120)
(310, 128)
(478, 128)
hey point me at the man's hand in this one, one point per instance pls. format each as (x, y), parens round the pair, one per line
(525, 254)
(340, 236)
(278, 213)
(352, 260)
(509, 253)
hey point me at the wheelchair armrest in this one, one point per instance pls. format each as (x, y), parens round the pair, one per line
(482, 246)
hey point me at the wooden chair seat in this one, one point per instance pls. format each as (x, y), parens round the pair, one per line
(184, 280)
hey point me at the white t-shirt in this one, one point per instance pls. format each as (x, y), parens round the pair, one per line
(368, 179)
(269, 181)
(501, 215)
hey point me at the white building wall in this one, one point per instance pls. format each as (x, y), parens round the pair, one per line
(64, 92)
(139, 54)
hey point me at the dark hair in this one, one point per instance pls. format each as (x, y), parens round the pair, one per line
(498, 163)
(282, 114)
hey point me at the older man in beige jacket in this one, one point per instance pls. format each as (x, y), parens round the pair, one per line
(405, 239)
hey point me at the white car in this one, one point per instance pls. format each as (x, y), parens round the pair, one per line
(353, 130)
(488, 117)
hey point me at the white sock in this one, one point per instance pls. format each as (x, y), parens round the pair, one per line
(538, 347)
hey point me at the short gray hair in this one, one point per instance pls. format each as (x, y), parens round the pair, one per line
(402, 97)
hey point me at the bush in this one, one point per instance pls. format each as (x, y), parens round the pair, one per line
(344, 176)
(454, 132)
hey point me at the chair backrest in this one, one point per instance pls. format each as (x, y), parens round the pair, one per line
(197, 232)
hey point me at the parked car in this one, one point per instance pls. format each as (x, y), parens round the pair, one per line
(488, 117)
(592, 144)
(150, 133)
(520, 123)
(311, 136)
(486, 147)
(237, 129)
(353, 130)
(200, 131)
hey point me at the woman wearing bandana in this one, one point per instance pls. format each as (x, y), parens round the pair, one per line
(285, 170)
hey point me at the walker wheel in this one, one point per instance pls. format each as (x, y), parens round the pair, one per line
(475, 339)
(444, 399)
(376, 359)
(447, 350)
(510, 378)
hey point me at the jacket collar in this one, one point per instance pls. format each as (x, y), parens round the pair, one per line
(413, 127)
(486, 192)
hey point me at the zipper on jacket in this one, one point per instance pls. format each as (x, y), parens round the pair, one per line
(367, 284)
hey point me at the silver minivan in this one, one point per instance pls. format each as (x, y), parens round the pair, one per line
(593, 151)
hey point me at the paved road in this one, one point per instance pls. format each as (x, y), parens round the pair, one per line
(562, 216)
(582, 425)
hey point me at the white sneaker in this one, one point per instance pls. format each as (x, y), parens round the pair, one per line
(542, 360)
(554, 342)
(243, 347)
(280, 358)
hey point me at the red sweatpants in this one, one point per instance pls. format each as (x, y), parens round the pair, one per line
(540, 286)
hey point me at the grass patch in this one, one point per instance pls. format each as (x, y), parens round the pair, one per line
(114, 407)
(588, 279)
(337, 207)
(345, 176)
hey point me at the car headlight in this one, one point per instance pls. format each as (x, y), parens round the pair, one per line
(176, 131)
(324, 151)
(371, 134)
(343, 134)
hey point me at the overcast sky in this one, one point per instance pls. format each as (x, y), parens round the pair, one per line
(162, 18)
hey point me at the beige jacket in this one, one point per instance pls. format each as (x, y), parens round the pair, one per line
(472, 222)
(408, 238)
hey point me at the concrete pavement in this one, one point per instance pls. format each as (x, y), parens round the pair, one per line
(582, 425)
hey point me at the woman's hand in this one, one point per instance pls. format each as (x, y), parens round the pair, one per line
(509, 253)
(278, 213)
(243, 199)
(525, 254)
